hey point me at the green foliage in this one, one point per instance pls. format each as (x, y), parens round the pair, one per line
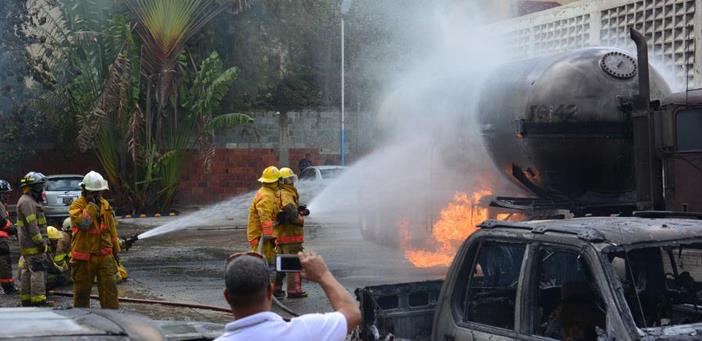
(202, 96)
(115, 91)
(21, 127)
(288, 52)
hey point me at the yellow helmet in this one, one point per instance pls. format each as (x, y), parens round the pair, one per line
(286, 172)
(53, 233)
(270, 175)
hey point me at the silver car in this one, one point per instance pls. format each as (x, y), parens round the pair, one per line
(321, 173)
(60, 192)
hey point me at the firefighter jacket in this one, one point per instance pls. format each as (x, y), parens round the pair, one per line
(262, 212)
(63, 249)
(288, 233)
(30, 221)
(5, 223)
(99, 234)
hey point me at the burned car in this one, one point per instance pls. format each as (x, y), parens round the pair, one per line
(623, 278)
(97, 324)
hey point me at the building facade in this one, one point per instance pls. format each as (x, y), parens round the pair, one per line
(672, 29)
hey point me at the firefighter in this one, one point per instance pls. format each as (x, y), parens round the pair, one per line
(289, 235)
(94, 245)
(33, 248)
(59, 247)
(7, 281)
(262, 212)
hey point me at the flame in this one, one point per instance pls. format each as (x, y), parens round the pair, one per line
(456, 221)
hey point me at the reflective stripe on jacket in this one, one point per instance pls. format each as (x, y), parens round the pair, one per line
(63, 248)
(264, 207)
(290, 233)
(100, 237)
(30, 217)
(4, 216)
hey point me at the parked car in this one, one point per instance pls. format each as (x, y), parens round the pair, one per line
(60, 192)
(604, 278)
(321, 173)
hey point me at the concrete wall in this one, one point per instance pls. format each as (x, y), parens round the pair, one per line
(241, 155)
(309, 129)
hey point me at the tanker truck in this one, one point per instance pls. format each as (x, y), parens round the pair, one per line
(581, 132)
(595, 132)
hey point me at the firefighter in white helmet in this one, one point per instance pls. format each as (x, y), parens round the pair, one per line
(95, 244)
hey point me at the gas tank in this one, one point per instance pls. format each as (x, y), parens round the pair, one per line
(560, 125)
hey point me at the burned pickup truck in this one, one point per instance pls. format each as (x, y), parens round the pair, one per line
(595, 278)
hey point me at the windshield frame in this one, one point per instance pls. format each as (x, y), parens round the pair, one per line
(618, 290)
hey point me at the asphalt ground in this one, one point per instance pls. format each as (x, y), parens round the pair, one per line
(187, 266)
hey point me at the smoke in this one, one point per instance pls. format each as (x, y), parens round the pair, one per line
(431, 146)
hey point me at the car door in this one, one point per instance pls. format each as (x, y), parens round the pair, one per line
(563, 298)
(485, 293)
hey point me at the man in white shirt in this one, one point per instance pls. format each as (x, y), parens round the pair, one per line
(249, 292)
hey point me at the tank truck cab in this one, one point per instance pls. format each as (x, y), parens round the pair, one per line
(678, 141)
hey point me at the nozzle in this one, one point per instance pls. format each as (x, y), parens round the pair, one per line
(128, 242)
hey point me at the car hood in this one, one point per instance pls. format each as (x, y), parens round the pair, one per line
(98, 324)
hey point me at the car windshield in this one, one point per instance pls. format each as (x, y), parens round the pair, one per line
(662, 284)
(63, 184)
(331, 173)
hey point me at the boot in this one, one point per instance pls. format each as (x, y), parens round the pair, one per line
(279, 293)
(300, 294)
(44, 304)
(9, 288)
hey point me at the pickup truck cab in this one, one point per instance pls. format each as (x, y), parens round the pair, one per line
(595, 278)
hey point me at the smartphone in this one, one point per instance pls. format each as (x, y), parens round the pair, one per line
(287, 263)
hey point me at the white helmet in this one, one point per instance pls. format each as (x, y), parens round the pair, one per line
(67, 224)
(93, 182)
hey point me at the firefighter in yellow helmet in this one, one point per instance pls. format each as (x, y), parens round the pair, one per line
(30, 222)
(262, 212)
(288, 233)
(59, 247)
(94, 245)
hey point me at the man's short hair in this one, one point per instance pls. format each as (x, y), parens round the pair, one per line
(247, 279)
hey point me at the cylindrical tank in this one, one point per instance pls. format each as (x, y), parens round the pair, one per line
(560, 125)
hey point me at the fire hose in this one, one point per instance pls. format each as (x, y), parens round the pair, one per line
(275, 299)
(160, 302)
(129, 241)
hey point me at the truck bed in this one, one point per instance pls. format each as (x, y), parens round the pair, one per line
(403, 311)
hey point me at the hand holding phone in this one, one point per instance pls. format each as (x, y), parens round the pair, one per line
(288, 263)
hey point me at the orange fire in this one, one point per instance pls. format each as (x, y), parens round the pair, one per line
(456, 222)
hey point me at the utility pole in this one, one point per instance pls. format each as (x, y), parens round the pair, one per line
(345, 6)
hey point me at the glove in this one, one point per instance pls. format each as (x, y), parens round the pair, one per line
(88, 213)
(12, 230)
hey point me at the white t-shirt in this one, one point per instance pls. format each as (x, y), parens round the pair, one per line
(270, 326)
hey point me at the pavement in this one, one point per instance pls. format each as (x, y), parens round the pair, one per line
(187, 265)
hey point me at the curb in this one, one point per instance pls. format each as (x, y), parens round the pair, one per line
(155, 215)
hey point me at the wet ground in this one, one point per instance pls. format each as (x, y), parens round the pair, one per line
(187, 266)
